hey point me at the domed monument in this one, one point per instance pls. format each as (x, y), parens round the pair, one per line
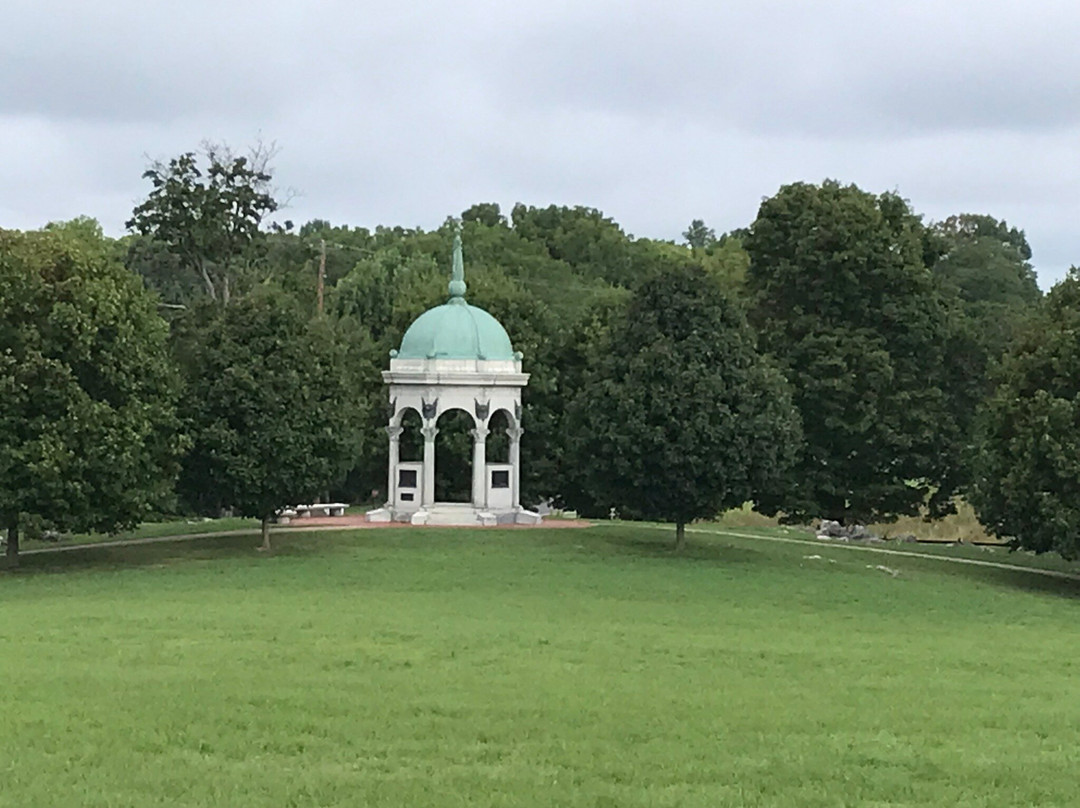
(455, 357)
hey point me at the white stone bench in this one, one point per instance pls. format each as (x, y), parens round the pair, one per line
(322, 509)
(286, 515)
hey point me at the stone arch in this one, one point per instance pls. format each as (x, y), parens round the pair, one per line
(498, 441)
(411, 439)
(454, 455)
(401, 411)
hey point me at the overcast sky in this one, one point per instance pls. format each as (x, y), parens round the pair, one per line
(655, 112)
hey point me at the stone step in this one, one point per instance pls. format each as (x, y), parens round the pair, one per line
(455, 513)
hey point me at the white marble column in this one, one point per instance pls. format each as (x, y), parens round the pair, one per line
(429, 432)
(515, 433)
(479, 467)
(394, 433)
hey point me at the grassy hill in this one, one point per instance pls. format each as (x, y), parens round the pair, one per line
(425, 667)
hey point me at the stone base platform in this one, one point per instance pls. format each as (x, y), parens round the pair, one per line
(456, 514)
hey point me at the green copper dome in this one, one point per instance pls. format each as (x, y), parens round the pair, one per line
(456, 330)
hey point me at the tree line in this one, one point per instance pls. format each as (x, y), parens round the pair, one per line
(838, 358)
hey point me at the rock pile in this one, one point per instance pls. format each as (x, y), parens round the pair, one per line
(834, 531)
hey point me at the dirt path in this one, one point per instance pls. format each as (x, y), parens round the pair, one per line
(975, 562)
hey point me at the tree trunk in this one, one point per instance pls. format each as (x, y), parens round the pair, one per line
(206, 280)
(680, 536)
(836, 509)
(322, 280)
(13, 545)
(265, 534)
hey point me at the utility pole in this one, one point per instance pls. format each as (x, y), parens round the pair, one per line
(322, 273)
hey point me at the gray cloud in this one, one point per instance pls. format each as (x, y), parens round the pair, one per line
(840, 69)
(655, 112)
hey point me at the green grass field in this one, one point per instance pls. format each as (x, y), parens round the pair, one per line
(426, 667)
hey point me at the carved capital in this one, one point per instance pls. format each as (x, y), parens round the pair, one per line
(515, 433)
(429, 433)
(480, 433)
(394, 432)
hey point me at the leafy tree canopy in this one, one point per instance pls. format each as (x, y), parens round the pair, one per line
(486, 213)
(585, 239)
(681, 418)
(272, 406)
(1027, 463)
(983, 267)
(88, 433)
(698, 236)
(207, 209)
(985, 261)
(844, 300)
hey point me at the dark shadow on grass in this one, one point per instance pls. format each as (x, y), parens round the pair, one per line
(653, 542)
(1028, 580)
(164, 553)
(285, 544)
(1016, 579)
(611, 542)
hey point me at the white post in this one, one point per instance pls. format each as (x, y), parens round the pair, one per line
(428, 496)
(479, 467)
(394, 433)
(515, 433)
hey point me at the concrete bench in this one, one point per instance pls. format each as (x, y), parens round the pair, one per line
(322, 509)
(286, 515)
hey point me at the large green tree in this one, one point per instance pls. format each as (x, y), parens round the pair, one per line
(681, 418)
(593, 245)
(843, 298)
(204, 215)
(698, 235)
(88, 437)
(271, 404)
(1027, 463)
(582, 345)
(983, 268)
(984, 260)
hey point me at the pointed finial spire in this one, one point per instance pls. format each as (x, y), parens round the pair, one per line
(457, 276)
